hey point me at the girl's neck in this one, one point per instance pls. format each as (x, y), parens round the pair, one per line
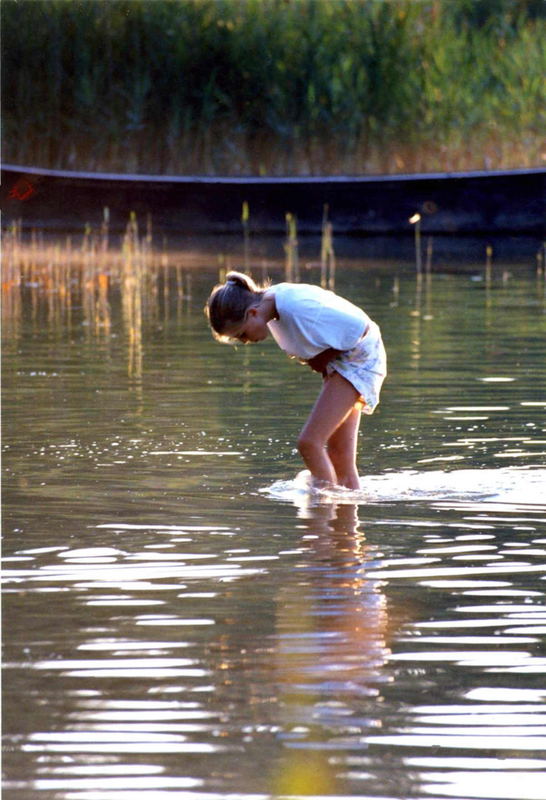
(268, 307)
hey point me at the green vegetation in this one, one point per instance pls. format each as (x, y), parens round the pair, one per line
(274, 86)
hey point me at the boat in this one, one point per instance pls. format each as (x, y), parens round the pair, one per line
(476, 202)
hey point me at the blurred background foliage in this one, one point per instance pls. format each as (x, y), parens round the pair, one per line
(275, 87)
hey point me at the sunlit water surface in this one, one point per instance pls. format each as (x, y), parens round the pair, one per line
(184, 619)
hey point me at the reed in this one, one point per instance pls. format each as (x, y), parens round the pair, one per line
(327, 255)
(245, 221)
(57, 276)
(273, 86)
(291, 267)
(415, 220)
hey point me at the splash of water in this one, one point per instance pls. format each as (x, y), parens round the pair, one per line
(509, 486)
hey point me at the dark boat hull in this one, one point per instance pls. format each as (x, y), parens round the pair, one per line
(493, 202)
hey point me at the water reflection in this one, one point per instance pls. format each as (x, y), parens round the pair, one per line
(332, 629)
(172, 631)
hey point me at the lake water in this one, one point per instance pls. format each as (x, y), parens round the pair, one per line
(184, 621)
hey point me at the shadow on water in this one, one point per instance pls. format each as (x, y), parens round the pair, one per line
(184, 619)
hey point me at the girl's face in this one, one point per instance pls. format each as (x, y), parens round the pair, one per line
(253, 328)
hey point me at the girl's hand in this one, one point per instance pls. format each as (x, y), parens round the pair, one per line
(319, 362)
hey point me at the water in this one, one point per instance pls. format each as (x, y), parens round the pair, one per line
(184, 619)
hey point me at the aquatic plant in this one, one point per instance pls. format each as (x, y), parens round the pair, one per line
(92, 272)
(327, 255)
(274, 86)
(291, 270)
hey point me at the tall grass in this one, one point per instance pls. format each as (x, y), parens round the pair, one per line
(56, 277)
(274, 86)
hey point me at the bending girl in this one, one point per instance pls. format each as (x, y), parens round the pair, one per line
(331, 335)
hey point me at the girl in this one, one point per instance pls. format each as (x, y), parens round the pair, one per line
(333, 337)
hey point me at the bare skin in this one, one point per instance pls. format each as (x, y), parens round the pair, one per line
(328, 440)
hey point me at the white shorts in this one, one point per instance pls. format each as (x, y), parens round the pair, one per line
(365, 367)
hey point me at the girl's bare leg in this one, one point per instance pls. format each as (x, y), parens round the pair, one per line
(342, 447)
(335, 404)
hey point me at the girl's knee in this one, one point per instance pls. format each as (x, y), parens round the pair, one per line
(307, 445)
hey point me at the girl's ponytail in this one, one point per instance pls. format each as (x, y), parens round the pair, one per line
(242, 281)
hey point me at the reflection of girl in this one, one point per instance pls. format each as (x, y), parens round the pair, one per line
(331, 633)
(330, 334)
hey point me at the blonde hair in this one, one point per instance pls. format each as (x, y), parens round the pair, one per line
(229, 302)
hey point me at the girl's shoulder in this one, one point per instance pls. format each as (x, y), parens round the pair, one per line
(307, 298)
(296, 290)
(303, 300)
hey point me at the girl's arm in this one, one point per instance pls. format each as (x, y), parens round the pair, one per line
(319, 362)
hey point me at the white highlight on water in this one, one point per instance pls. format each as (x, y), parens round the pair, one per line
(510, 486)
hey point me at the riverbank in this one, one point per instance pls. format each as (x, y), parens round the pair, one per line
(479, 202)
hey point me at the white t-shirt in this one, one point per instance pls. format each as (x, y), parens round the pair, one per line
(312, 319)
